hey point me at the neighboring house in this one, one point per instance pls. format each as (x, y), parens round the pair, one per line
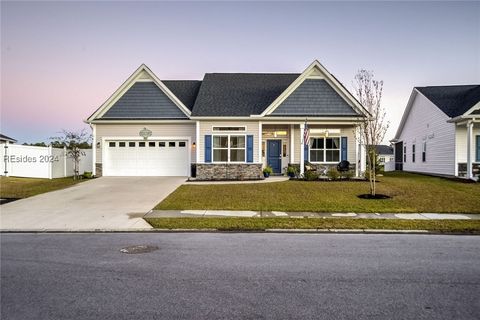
(440, 132)
(229, 124)
(384, 153)
(6, 140)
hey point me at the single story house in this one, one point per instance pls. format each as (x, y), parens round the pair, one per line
(230, 125)
(6, 140)
(440, 132)
(384, 153)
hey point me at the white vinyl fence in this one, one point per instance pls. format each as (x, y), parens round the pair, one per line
(41, 162)
(389, 166)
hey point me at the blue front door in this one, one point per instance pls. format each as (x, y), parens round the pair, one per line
(274, 155)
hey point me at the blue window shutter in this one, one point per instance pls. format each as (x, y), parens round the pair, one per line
(208, 148)
(478, 149)
(344, 150)
(249, 148)
(305, 152)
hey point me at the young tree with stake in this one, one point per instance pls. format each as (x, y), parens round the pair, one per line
(373, 128)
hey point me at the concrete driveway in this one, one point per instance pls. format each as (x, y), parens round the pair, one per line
(113, 203)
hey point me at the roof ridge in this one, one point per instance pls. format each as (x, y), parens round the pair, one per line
(449, 85)
(256, 73)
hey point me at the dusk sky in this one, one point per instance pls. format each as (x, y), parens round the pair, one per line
(60, 61)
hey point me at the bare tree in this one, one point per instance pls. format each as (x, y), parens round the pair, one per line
(74, 141)
(373, 128)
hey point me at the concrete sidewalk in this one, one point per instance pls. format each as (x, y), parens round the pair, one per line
(269, 214)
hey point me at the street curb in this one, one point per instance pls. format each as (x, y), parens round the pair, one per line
(301, 231)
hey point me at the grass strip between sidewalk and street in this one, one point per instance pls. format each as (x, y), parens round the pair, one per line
(259, 224)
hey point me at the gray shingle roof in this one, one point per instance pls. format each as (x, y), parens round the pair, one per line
(452, 100)
(383, 149)
(185, 90)
(6, 138)
(230, 94)
(144, 100)
(314, 97)
(239, 94)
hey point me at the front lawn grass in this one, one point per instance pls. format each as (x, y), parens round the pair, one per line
(18, 188)
(409, 192)
(259, 224)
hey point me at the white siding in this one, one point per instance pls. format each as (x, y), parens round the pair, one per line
(426, 122)
(206, 129)
(132, 130)
(461, 142)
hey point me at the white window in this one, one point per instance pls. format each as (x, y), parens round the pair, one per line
(424, 151)
(325, 150)
(317, 150)
(229, 148)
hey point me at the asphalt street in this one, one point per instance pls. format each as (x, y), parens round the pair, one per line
(240, 276)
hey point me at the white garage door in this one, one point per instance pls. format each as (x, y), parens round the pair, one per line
(146, 158)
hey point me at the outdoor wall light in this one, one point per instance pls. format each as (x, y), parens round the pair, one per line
(98, 145)
(193, 145)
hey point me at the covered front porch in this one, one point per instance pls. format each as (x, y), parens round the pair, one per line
(467, 149)
(282, 145)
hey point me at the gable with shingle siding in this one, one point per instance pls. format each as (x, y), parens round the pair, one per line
(144, 100)
(314, 97)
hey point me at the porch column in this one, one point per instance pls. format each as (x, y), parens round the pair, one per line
(302, 148)
(260, 142)
(456, 150)
(197, 142)
(292, 144)
(357, 163)
(94, 150)
(469, 149)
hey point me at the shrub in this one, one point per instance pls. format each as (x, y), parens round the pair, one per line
(87, 175)
(311, 175)
(267, 170)
(333, 173)
(348, 174)
(292, 171)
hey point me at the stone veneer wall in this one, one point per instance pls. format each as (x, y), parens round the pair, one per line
(98, 169)
(462, 169)
(230, 171)
(316, 166)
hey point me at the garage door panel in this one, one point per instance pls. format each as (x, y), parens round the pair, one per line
(151, 158)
